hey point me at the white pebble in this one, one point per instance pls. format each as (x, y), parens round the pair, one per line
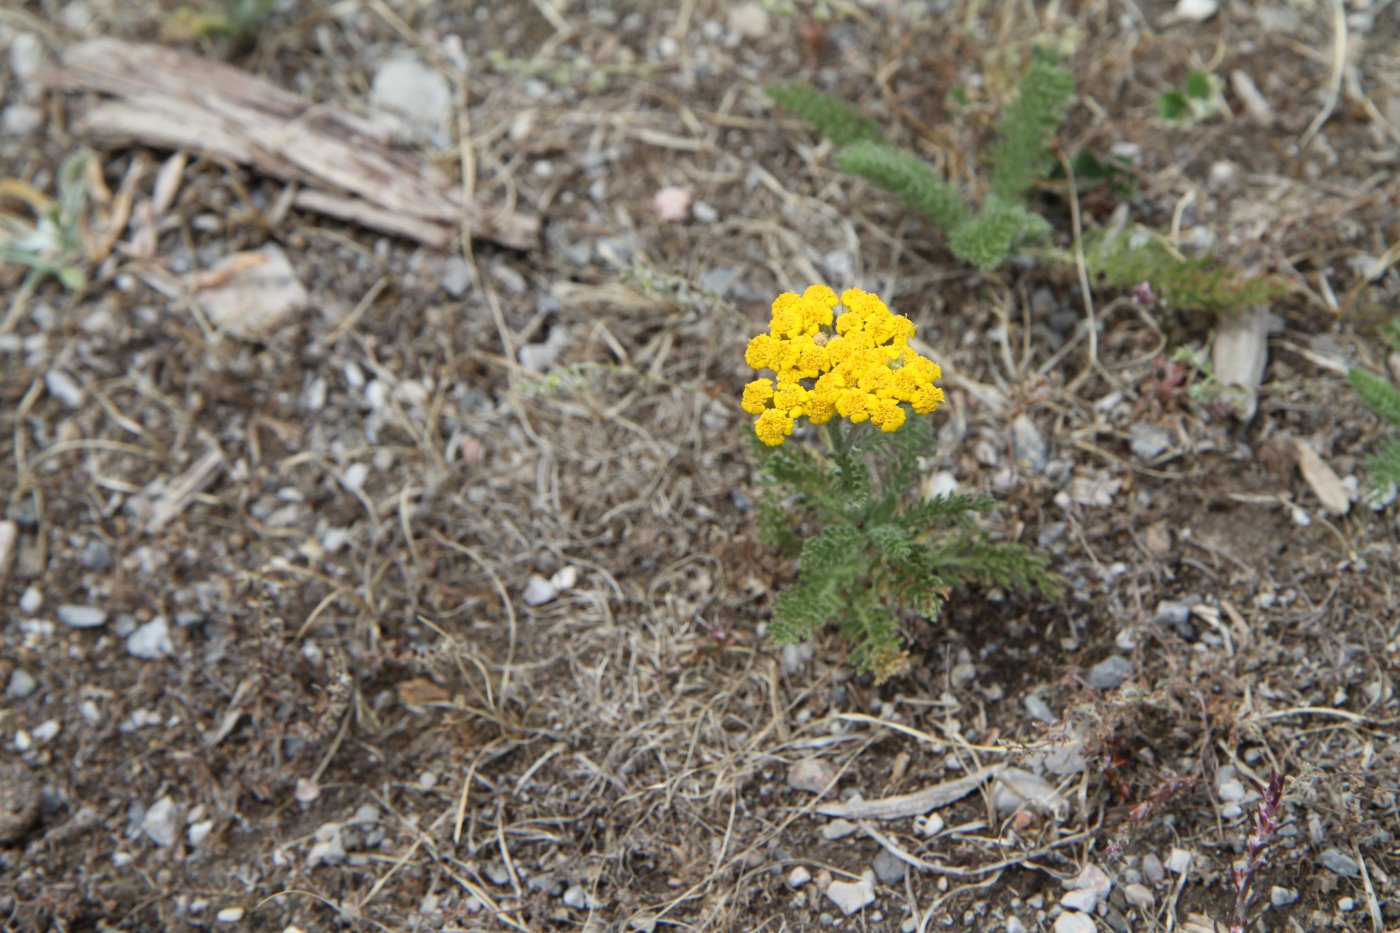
(162, 821)
(1179, 861)
(31, 601)
(198, 832)
(230, 915)
(64, 388)
(151, 641)
(851, 896)
(47, 731)
(81, 616)
(798, 877)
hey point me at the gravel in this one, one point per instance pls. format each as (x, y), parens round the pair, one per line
(22, 684)
(151, 641)
(82, 616)
(1335, 860)
(162, 822)
(1110, 673)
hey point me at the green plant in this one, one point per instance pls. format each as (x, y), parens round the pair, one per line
(237, 18)
(871, 557)
(50, 240)
(1198, 99)
(1382, 397)
(1021, 156)
(1185, 283)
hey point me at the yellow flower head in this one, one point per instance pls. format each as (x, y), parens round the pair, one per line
(856, 365)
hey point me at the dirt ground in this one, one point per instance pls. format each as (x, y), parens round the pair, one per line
(437, 604)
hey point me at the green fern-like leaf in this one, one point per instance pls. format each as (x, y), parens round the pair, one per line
(1384, 465)
(974, 559)
(830, 116)
(912, 179)
(1377, 393)
(828, 555)
(1028, 128)
(893, 542)
(1195, 283)
(989, 239)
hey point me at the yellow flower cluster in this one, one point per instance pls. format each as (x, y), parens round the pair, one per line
(859, 365)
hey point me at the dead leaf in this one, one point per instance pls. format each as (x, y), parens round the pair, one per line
(420, 691)
(1322, 479)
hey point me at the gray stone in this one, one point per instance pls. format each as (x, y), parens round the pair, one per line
(1336, 860)
(81, 616)
(162, 822)
(812, 775)
(22, 684)
(21, 120)
(26, 56)
(1038, 708)
(1152, 868)
(889, 869)
(1073, 922)
(1176, 616)
(416, 95)
(1028, 444)
(97, 556)
(151, 641)
(1110, 673)
(851, 896)
(1282, 897)
(456, 276)
(1147, 441)
(1140, 896)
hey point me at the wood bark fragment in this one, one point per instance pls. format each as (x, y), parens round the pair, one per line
(915, 804)
(165, 98)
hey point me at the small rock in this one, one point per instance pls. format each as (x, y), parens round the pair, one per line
(748, 21)
(1028, 444)
(1152, 868)
(1091, 878)
(672, 204)
(837, 829)
(22, 684)
(1073, 922)
(1140, 896)
(230, 915)
(851, 896)
(1346, 904)
(456, 276)
(307, 790)
(576, 897)
(328, 847)
(1179, 861)
(1282, 897)
(1195, 11)
(1014, 925)
(703, 212)
(1018, 789)
(798, 876)
(1110, 673)
(1229, 788)
(1175, 615)
(162, 822)
(198, 832)
(1082, 901)
(47, 731)
(889, 869)
(26, 56)
(811, 774)
(81, 616)
(19, 120)
(538, 591)
(9, 547)
(64, 388)
(1335, 860)
(1038, 709)
(31, 601)
(416, 96)
(151, 641)
(97, 556)
(1147, 441)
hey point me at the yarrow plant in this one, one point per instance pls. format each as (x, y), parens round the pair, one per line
(866, 372)
(872, 558)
